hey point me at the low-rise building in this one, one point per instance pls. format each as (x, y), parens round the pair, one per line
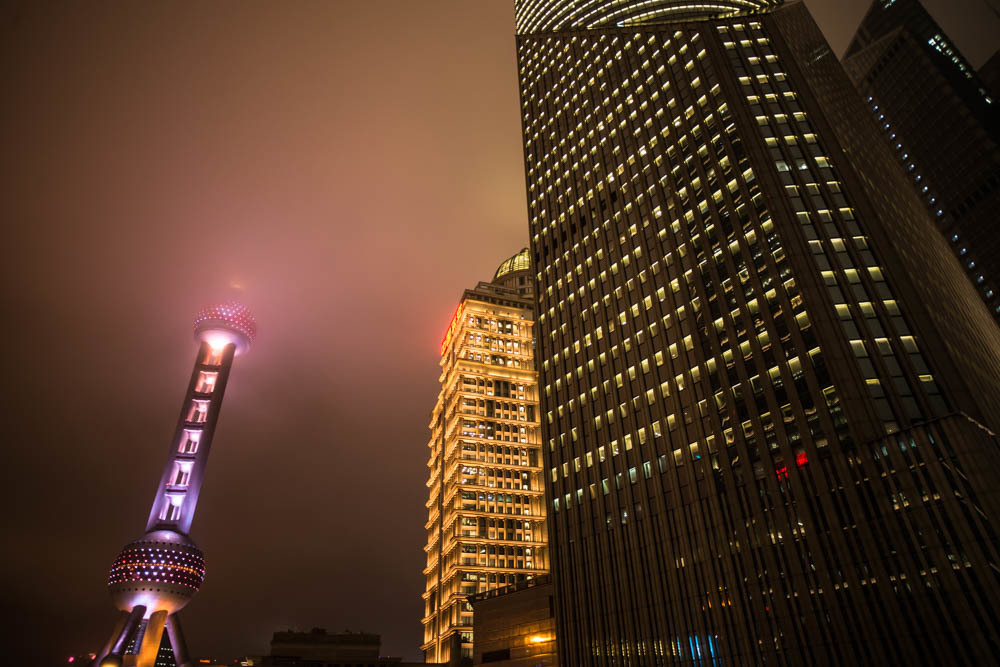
(515, 626)
(317, 647)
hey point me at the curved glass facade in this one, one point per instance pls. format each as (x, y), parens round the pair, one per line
(533, 16)
(519, 262)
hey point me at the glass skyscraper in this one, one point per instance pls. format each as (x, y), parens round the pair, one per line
(767, 386)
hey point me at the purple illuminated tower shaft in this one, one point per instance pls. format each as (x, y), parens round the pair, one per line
(177, 495)
(156, 575)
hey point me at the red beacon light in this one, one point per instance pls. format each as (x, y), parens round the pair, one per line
(801, 459)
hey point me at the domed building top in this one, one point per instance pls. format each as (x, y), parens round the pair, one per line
(519, 262)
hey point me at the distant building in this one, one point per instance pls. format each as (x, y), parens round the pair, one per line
(942, 122)
(318, 644)
(515, 626)
(319, 647)
(485, 508)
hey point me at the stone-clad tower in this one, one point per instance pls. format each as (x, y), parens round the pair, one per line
(485, 507)
(155, 576)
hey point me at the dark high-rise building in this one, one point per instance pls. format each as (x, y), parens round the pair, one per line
(942, 122)
(767, 385)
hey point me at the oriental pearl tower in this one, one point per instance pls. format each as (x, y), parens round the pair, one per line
(156, 575)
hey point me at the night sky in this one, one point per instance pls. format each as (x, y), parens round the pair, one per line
(346, 169)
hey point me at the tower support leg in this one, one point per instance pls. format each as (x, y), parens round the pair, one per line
(123, 617)
(128, 623)
(181, 658)
(146, 656)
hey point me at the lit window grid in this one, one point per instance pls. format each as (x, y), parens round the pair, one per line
(556, 354)
(475, 335)
(630, 472)
(839, 238)
(571, 296)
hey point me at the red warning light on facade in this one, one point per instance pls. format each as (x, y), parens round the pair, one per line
(456, 320)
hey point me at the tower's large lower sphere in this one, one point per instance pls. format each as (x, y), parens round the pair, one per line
(160, 570)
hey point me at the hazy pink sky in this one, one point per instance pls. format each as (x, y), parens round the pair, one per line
(354, 165)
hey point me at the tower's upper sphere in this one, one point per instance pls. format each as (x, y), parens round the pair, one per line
(161, 570)
(534, 16)
(225, 323)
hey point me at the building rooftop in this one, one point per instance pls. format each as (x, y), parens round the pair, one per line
(321, 645)
(534, 16)
(519, 262)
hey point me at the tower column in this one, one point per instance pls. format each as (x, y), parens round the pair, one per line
(181, 657)
(128, 623)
